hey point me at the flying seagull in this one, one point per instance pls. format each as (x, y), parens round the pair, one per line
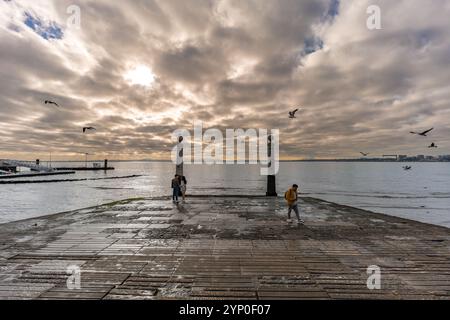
(423, 134)
(51, 102)
(433, 145)
(292, 114)
(406, 168)
(88, 129)
(364, 154)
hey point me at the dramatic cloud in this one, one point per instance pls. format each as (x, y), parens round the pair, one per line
(138, 70)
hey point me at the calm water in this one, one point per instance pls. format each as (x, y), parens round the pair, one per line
(422, 194)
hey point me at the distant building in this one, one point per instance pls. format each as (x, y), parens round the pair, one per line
(420, 157)
(402, 157)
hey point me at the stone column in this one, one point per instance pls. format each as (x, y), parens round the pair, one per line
(271, 182)
(180, 164)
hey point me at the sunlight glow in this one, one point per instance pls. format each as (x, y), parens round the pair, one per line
(141, 76)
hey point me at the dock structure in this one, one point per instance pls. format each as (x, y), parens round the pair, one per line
(94, 167)
(9, 169)
(84, 168)
(12, 165)
(222, 248)
(33, 175)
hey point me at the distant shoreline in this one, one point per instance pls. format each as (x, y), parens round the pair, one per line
(300, 160)
(305, 160)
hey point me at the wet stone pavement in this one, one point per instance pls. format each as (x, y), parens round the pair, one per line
(222, 248)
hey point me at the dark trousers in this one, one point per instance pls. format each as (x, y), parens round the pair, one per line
(176, 192)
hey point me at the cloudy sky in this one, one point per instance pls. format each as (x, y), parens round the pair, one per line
(137, 70)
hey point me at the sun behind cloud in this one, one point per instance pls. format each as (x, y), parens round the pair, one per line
(140, 75)
(138, 70)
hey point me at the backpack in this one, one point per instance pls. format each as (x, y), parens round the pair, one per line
(286, 194)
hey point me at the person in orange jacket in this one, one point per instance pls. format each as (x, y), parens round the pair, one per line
(291, 197)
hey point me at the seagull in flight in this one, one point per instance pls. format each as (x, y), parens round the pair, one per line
(292, 114)
(423, 134)
(433, 145)
(89, 129)
(406, 168)
(364, 154)
(51, 102)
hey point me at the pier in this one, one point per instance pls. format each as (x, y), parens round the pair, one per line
(95, 167)
(8, 176)
(84, 168)
(234, 247)
(9, 169)
(8, 165)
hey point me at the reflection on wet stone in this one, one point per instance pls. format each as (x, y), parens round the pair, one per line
(222, 247)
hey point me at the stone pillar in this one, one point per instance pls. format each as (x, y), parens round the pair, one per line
(180, 164)
(106, 164)
(271, 182)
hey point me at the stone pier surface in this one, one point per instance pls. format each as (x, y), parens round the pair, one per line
(222, 248)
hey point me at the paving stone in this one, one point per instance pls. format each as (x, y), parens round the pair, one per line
(223, 248)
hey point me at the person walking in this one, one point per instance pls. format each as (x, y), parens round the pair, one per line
(183, 187)
(176, 188)
(291, 197)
